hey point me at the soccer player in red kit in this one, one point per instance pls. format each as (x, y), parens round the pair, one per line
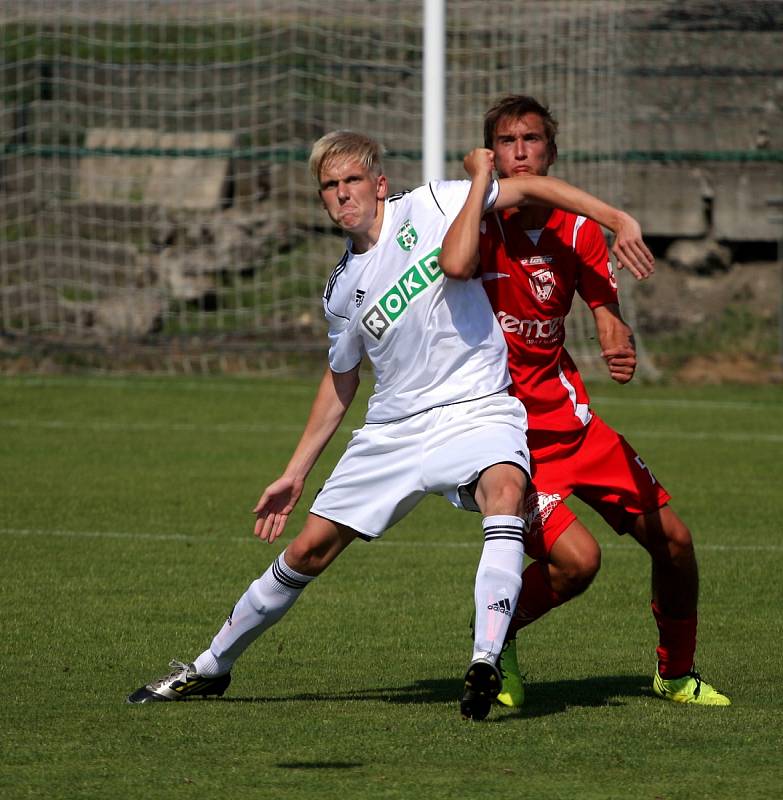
(532, 260)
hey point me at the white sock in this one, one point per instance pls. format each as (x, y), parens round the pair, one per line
(498, 582)
(261, 606)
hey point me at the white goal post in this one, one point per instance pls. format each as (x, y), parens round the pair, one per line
(154, 185)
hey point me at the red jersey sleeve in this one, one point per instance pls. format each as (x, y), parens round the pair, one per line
(596, 281)
(489, 234)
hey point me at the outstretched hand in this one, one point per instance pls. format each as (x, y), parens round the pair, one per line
(629, 249)
(274, 507)
(621, 362)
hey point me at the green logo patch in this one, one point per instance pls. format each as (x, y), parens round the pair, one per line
(407, 236)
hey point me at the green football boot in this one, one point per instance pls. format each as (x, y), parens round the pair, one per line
(512, 693)
(689, 688)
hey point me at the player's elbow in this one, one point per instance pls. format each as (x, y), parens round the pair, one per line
(457, 268)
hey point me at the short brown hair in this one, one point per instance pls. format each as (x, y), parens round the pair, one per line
(514, 106)
(346, 144)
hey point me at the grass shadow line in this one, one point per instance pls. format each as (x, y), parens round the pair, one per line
(542, 698)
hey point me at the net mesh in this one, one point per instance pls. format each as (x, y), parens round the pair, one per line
(154, 192)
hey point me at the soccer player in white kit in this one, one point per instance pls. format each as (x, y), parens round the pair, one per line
(439, 422)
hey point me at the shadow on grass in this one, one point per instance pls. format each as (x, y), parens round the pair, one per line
(541, 699)
(546, 698)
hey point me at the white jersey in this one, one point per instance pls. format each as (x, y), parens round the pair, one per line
(432, 341)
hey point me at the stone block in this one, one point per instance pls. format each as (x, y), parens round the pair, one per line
(667, 199)
(741, 210)
(149, 176)
(699, 256)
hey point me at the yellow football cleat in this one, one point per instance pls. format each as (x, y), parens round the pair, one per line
(512, 692)
(689, 688)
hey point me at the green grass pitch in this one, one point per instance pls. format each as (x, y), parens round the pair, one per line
(125, 522)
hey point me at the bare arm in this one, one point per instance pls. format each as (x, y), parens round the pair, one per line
(617, 343)
(629, 248)
(334, 396)
(459, 255)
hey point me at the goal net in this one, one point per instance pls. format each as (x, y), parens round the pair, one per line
(154, 196)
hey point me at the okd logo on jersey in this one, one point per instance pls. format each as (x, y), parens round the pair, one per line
(407, 236)
(393, 304)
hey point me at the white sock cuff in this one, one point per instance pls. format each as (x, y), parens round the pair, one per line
(288, 579)
(503, 526)
(206, 664)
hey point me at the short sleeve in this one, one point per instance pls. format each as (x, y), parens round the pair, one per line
(596, 281)
(345, 348)
(450, 196)
(488, 238)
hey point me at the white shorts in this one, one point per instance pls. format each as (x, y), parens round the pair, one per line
(388, 467)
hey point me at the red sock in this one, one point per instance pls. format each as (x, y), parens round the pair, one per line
(677, 644)
(536, 598)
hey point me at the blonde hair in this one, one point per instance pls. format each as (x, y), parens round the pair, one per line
(346, 144)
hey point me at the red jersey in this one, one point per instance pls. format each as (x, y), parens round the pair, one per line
(531, 287)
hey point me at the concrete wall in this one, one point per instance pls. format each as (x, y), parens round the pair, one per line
(704, 89)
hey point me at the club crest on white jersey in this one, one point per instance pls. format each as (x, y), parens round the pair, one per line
(407, 236)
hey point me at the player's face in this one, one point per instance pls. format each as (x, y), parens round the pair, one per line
(521, 146)
(351, 195)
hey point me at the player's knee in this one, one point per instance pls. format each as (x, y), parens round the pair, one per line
(306, 557)
(511, 500)
(679, 542)
(582, 569)
(576, 571)
(501, 490)
(591, 564)
(666, 537)
(677, 534)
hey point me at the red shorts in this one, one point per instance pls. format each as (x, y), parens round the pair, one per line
(601, 469)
